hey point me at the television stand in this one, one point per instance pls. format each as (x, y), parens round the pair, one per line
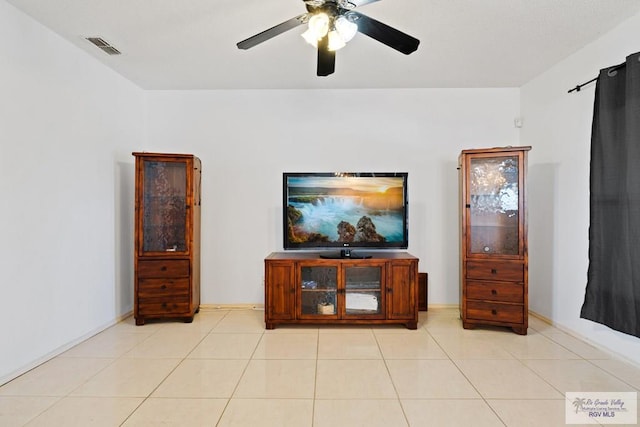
(344, 254)
(301, 288)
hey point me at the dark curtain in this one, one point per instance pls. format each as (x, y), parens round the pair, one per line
(612, 296)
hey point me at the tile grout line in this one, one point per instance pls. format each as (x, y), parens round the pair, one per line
(484, 399)
(246, 366)
(393, 384)
(315, 380)
(517, 353)
(148, 396)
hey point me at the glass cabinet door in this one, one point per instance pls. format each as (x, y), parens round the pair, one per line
(363, 290)
(494, 211)
(318, 290)
(164, 207)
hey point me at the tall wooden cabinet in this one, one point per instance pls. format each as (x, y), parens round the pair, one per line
(167, 236)
(494, 260)
(301, 287)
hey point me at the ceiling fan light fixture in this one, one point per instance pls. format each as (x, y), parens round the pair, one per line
(335, 41)
(346, 28)
(318, 28)
(310, 38)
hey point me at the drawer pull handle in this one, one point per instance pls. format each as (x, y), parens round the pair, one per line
(494, 271)
(163, 286)
(494, 292)
(163, 268)
(494, 312)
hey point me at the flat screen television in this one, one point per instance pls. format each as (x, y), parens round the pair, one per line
(345, 210)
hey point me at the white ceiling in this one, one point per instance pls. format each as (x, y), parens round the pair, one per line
(191, 44)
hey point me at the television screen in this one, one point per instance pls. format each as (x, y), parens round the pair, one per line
(345, 210)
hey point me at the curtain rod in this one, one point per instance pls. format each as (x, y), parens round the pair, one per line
(578, 87)
(613, 68)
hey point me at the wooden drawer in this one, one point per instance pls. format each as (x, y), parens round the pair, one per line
(163, 307)
(492, 291)
(163, 268)
(496, 270)
(495, 312)
(163, 287)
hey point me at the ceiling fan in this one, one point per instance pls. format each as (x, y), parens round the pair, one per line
(332, 23)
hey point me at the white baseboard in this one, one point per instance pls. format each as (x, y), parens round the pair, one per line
(58, 351)
(443, 306)
(213, 307)
(581, 337)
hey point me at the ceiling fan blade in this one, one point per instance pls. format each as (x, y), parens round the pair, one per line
(393, 38)
(326, 58)
(272, 32)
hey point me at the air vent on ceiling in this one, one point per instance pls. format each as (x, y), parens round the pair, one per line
(105, 46)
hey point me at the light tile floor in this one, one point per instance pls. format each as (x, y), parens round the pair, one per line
(225, 369)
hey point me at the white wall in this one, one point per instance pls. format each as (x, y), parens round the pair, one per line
(67, 128)
(558, 124)
(246, 139)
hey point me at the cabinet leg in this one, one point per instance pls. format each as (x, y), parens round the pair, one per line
(466, 325)
(139, 321)
(188, 320)
(270, 325)
(520, 330)
(412, 325)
